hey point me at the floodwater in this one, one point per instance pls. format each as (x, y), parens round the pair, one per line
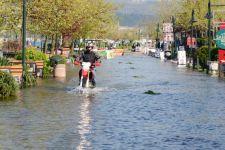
(188, 114)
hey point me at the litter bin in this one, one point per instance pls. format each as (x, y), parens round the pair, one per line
(56, 59)
(58, 63)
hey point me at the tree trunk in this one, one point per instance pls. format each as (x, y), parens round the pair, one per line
(67, 40)
(72, 46)
(56, 43)
(46, 44)
(53, 44)
(34, 39)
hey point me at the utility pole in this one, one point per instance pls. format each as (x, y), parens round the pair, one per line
(209, 17)
(139, 34)
(192, 51)
(24, 39)
(174, 37)
(157, 36)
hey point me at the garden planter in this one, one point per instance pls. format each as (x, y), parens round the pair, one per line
(119, 52)
(60, 70)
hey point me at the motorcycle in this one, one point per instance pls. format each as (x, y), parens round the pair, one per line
(87, 74)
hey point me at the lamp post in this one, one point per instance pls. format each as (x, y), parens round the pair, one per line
(193, 20)
(139, 34)
(24, 39)
(174, 37)
(209, 17)
(157, 36)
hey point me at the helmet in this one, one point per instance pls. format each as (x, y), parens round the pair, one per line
(90, 44)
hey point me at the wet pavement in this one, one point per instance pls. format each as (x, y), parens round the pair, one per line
(187, 114)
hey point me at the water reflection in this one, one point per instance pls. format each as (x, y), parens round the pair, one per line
(61, 79)
(84, 127)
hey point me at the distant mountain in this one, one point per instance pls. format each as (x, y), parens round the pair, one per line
(132, 20)
(134, 12)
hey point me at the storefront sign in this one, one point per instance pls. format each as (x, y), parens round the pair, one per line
(221, 56)
(220, 39)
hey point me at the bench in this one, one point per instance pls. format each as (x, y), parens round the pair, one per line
(35, 67)
(16, 71)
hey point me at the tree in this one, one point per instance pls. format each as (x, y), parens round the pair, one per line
(11, 16)
(72, 18)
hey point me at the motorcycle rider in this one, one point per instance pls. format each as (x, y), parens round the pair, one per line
(89, 56)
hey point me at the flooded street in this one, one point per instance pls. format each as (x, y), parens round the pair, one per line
(187, 114)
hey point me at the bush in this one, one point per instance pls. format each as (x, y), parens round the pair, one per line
(8, 85)
(28, 80)
(202, 54)
(47, 69)
(32, 54)
(202, 41)
(4, 61)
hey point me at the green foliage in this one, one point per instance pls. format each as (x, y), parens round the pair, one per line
(77, 18)
(4, 61)
(28, 79)
(8, 85)
(102, 54)
(182, 11)
(202, 54)
(32, 54)
(47, 69)
(11, 15)
(202, 41)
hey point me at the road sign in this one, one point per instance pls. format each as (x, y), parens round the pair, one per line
(220, 39)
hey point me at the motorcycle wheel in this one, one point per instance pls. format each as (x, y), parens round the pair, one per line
(84, 81)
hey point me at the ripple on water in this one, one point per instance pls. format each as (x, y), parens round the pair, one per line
(80, 90)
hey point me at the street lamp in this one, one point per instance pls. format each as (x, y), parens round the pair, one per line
(174, 36)
(157, 36)
(24, 39)
(209, 17)
(192, 21)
